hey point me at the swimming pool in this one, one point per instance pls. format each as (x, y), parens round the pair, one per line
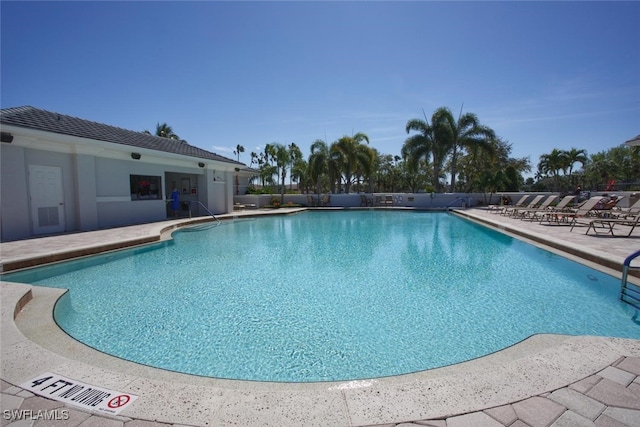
(329, 296)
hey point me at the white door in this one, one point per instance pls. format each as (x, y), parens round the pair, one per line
(47, 201)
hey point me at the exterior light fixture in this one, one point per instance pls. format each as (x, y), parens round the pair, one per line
(201, 164)
(6, 137)
(135, 156)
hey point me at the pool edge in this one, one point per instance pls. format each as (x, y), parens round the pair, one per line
(509, 375)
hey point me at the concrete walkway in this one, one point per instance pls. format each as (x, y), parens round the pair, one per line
(546, 380)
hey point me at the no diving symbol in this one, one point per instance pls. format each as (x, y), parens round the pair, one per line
(119, 401)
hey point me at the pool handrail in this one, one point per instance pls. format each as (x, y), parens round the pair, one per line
(466, 202)
(632, 293)
(203, 207)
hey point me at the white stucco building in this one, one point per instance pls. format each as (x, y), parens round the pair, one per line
(65, 174)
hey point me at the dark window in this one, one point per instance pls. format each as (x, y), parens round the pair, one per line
(145, 187)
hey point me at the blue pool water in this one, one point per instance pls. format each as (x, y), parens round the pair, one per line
(329, 296)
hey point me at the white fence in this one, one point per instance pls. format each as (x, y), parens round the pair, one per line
(411, 200)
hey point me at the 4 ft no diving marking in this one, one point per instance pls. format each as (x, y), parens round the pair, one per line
(119, 401)
(72, 392)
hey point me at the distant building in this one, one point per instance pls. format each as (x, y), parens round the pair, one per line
(65, 174)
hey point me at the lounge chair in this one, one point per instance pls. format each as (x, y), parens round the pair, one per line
(627, 212)
(572, 216)
(513, 210)
(612, 222)
(326, 199)
(386, 201)
(608, 208)
(544, 205)
(365, 201)
(501, 208)
(532, 214)
(311, 201)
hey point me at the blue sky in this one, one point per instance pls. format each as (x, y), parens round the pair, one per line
(543, 75)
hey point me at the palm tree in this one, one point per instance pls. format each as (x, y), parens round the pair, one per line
(347, 152)
(366, 165)
(295, 155)
(254, 158)
(575, 156)
(165, 131)
(239, 149)
(283, 159)
(552, 164)
(459, 134)
(424, 145)
(318, 163)
(300, 173)
(267, 170)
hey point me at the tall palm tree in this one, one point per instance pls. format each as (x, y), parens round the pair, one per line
(267, 169)
(300, 173)
(254, 158)
(295, 155)
(575, 156)
(282, 159)
(425, 145)
(460, 134)
(346, 150)
(318, 163)
(239, 149)
(552, 164)
(366, 163)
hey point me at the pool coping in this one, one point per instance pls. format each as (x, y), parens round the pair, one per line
(32, 343)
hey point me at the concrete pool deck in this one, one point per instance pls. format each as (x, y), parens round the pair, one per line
(544, 380)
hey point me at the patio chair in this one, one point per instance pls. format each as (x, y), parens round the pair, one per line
(500, 208)
(627, 212)
(544, 205)
(612, 222)
(384, 201)
(532, 214)
(608, 208)
(572, 217)
(365, 201)
(311, 201)
(513, 210)
(326, 200)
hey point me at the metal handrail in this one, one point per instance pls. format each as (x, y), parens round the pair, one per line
(465, 202)
(623, 284)
(203, 207)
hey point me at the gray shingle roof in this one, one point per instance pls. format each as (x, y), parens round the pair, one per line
(634, 141)
(34, 118)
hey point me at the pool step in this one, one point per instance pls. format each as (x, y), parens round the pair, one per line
(631, 295)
